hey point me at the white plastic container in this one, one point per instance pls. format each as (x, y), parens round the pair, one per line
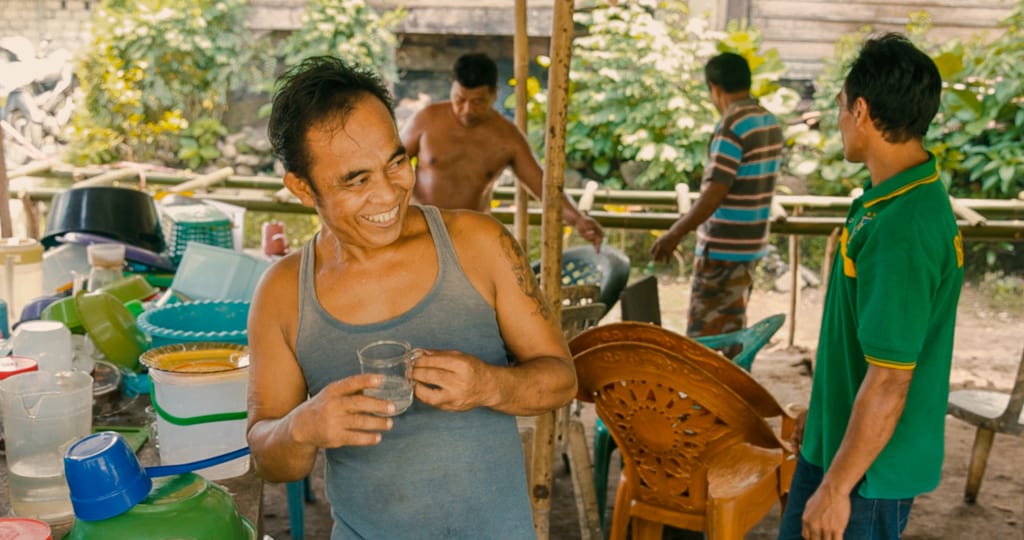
(182, 393)
(21, 273)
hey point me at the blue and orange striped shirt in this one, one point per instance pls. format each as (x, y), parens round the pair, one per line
(746, 154)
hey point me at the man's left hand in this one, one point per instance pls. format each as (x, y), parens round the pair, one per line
(590, 230)
(826, 515)
(451, 380)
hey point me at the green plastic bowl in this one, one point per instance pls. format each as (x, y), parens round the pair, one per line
(65, 311)
(185, 506)
(112, 328)
(130, 288)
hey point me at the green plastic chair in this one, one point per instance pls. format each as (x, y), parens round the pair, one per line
(752, 338)
(609, 270)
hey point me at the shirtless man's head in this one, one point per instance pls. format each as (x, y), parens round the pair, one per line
(474, 88)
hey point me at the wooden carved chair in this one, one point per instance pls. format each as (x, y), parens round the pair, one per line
(728, 372)
(993, 411)
(696, 454)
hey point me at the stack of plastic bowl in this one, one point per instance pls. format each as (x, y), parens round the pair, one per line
(112, 328)
(114, 497)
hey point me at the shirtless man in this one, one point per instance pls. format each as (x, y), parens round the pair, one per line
(463, 145)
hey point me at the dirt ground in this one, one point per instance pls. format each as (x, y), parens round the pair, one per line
(988, 347)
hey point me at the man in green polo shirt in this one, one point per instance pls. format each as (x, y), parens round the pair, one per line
(874, 429)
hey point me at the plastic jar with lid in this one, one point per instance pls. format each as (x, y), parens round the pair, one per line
(21, 273)
(106, 262)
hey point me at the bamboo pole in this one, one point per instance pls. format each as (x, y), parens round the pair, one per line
(586, 203)
(794, 292)
(521, 53)
(551, 248)
(6, 227)
(204, 181)
(108, 178)
(1011, 230)
(961, 210)
(683, 201)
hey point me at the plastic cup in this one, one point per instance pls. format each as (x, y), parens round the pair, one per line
(48, 342)
(104, 476)
(393, 360)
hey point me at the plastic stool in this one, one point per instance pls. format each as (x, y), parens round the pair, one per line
(297, 491)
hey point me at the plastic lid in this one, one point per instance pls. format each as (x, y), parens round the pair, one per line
(24, 250)
(24, 529)
(13, 365)
(105, 255)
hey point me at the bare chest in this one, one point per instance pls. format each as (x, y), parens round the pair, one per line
(474, 153)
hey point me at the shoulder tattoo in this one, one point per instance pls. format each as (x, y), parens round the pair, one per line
(524, 273)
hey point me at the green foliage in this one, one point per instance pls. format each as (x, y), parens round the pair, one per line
(153, 68)
(348, 29)
(983, 115)
(637, 92)
(976, 135)
(198, 143)
(158, 74)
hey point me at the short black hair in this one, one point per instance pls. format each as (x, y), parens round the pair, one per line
(474, 70)
(318, 90)
(729, 71)
(900, 84)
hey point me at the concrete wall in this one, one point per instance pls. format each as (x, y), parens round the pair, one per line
(64, 23)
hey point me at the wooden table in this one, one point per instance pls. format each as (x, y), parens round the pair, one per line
(246, 489)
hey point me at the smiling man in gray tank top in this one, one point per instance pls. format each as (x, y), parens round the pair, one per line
(454, 284)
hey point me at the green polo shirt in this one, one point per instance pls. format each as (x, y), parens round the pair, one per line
(891, 302)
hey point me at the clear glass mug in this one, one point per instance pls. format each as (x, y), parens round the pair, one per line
(392, 359)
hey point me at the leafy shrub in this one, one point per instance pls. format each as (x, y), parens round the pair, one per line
(637, 94)
(976, 135)
(347, 29)
(159, 74)
(153, 68)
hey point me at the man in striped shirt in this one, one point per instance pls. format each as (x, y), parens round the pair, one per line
(731, 214)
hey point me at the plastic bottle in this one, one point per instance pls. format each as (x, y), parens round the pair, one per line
(21, 273)
(106, 261)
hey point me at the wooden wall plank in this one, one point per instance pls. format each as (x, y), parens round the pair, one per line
(804, 31)
(864, 13)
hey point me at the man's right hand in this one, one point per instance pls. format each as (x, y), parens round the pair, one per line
(590, 230)
(340, 415)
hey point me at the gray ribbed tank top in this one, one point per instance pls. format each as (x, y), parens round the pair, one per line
(435, 474)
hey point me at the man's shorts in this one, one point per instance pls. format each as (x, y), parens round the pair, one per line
(719, 295)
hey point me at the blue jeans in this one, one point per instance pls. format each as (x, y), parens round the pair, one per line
(870, 519)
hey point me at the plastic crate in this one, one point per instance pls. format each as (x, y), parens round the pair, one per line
(200, 223)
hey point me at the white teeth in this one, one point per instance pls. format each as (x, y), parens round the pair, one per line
(383, 218)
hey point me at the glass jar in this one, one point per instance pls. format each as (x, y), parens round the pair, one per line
(106, 261)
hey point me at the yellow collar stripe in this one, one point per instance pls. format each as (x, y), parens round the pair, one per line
(927, 180)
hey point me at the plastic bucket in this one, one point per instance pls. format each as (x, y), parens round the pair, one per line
(199, 394)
